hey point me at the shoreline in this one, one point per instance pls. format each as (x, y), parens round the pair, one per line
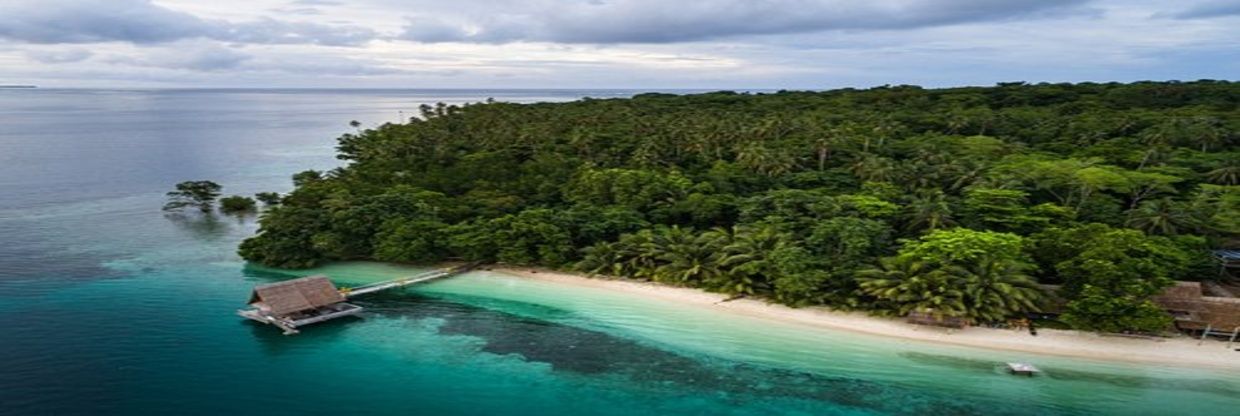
(1173, 352)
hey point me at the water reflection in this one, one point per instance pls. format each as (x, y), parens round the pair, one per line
(202, 226)
(275, 343)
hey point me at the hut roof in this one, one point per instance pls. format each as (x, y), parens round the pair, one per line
(1218, 313)
(1183, 290)
(1183, 296)
(295, 295)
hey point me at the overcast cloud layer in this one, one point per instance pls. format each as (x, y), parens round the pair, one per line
(612, 43)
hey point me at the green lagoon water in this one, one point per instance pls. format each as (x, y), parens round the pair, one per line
(108, 307)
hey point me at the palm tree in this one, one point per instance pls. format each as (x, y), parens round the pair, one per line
(603, 258)
(929, 211)
(1161, 216)
(1226, 175)
(910, 285)
(995, 289)
(764, 160)
(1157, 140)
(638, 254)
(746, 256)
(872, 168)
(884, 128)
(827, 141)
(687, 258)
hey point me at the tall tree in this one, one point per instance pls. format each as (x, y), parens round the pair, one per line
(196, 194)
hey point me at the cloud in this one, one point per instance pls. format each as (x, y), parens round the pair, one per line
(63, 21)
(332, 67)
(143, 22)
(204, 58)
(433, 30)
(59, 56)
(1210, 10)
(658, 21)
(304, 11)
(610, 43)
(317, 2)
(271, 31)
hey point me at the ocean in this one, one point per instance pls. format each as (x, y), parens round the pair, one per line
(109, 307)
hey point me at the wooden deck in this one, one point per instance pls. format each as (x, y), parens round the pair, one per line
(392, 284)
(289, 322)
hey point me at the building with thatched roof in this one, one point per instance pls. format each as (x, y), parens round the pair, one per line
(1187, 302)
(297, 302)
(1193, 311)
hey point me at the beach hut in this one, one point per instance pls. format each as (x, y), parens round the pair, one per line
(297, 302)
(1196, 313)
(1183, 301)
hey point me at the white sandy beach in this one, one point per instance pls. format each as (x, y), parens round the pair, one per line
(1183, 351)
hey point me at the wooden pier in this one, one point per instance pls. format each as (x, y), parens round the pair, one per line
(298, 302)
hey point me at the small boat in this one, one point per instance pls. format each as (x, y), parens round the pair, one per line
(1024, 369)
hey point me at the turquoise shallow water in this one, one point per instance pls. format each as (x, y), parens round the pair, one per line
(109, 308)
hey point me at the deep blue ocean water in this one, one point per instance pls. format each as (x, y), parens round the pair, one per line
(109, 307)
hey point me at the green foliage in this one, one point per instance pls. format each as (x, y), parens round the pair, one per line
(196, 194)
(1008, 210)
(996, 289)
(1218, 208)
(284, 239)
(237, 204)
(1112, 272)
(962, 246)
(979, 275)
(268, 198)
(636, 189)
(1098, 309)
(411, 240)
(904, 285)
(849, 241)
(791, 195)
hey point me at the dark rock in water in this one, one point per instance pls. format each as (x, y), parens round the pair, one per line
(597, 354)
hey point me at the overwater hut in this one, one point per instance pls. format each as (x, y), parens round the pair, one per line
(297, 302)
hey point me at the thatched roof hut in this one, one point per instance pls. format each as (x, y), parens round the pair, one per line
(1220, 313)
(1195, 311)
(293, 296)
(1183, 297)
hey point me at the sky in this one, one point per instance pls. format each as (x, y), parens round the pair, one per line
(643, 44)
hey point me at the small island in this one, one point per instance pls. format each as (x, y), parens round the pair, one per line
(13, 87)
(1078, 206)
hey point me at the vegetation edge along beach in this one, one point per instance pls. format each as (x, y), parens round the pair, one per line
(982, 205)
(1181, 352)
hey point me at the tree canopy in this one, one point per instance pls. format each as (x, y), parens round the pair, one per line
(896, 198)
(195, 194)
